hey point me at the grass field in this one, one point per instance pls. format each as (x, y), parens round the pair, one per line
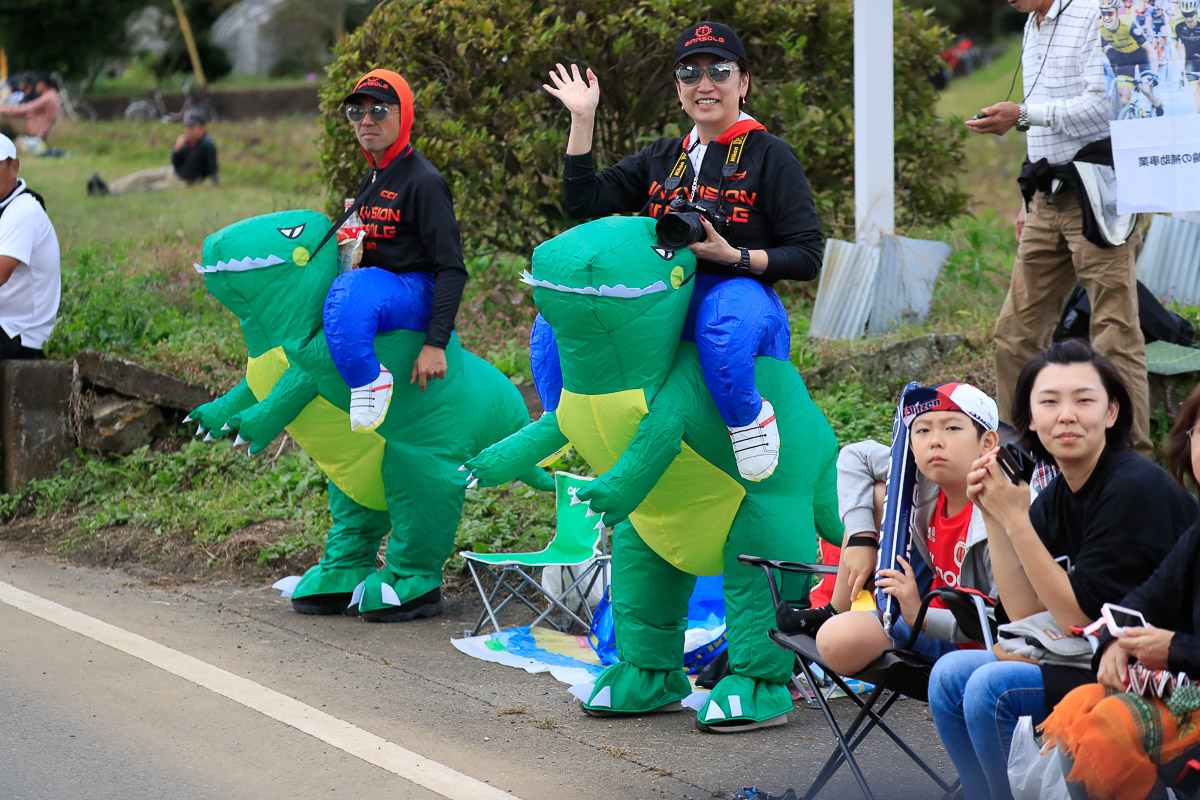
(130, 289)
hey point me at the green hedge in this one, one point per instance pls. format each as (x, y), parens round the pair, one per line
(476, 68)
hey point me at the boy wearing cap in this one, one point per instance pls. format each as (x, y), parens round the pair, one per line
(193, 159)
(950, 426)
(30, 278)
(413, 272)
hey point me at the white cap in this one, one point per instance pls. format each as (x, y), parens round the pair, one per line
(7, 148)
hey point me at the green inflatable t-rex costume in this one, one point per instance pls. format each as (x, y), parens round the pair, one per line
(404, 476)
(634, 404)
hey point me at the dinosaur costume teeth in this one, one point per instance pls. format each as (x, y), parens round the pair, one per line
(620, 290)
(243, 264)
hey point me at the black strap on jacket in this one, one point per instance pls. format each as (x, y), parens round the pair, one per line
(358, 201)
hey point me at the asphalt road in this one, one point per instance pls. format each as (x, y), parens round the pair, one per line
(88, 719)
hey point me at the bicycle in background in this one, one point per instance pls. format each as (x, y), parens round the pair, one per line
(75, 109)
(155, 106)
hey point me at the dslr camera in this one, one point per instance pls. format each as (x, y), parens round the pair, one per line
(680, 226)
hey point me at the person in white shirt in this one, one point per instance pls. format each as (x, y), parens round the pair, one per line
(30, 277)
(1065, 110)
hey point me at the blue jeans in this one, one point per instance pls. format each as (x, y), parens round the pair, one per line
(976, 700)
(366, 302)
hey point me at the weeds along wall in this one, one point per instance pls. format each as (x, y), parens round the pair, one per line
(476, 68)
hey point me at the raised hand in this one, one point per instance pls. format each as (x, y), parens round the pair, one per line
(577, 95)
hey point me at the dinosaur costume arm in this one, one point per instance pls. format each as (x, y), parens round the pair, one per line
(623, 488)
(516, 455)
(212, 416)
(262, 422)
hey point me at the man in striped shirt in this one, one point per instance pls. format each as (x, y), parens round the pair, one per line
(1065, 109)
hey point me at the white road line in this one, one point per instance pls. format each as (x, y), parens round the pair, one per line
(329, 729)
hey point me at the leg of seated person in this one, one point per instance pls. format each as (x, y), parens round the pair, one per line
(849, 642)
(947, 686)
(153, 179)
(976, 700)
(363, 303)
(734, 320)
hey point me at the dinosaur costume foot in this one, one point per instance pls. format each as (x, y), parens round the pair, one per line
(427, 605)
(626, 689)
(738, 704)
(333, 603)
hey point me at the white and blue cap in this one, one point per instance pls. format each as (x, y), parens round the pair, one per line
(963, 397)
(7, 148)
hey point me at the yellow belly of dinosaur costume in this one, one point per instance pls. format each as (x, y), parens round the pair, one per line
(687, 515)
(353, 461)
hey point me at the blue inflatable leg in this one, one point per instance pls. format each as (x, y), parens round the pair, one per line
(734, 320)
(365, 302)
(543, 360)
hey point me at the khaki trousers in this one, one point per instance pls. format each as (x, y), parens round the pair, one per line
(155, 179)
(1052, 255)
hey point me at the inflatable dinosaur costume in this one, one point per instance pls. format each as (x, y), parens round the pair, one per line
(404, 476)
(634, 404)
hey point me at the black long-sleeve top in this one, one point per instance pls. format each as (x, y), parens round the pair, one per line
(1170, 599)
(195, 162)
(767, 200)
(1116, 530)
(411, 227)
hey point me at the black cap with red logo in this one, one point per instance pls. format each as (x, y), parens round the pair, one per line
(378, 84)
(710, 37)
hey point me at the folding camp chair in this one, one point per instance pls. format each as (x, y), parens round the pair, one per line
(579, 547)
(899, 671)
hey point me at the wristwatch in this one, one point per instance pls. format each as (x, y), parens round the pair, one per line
(742, 266)
(1022, 118)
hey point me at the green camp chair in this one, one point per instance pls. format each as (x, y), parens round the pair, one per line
(579, 547)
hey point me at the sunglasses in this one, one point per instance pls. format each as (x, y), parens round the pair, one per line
(378, 113)
(717, 73)
(1189, 16)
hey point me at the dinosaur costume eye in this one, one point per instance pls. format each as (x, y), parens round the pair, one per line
(292, 233)
(664, 254)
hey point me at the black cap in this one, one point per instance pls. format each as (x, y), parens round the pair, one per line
(378, 84)
(710, 37)
(194, 116)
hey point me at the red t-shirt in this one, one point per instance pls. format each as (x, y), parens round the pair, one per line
(947, 540)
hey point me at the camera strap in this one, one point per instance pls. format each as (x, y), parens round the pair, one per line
(732, 159)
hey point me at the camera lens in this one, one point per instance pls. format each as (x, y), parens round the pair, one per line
(676, 230)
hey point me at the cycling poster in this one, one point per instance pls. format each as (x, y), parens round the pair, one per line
(1152, 65)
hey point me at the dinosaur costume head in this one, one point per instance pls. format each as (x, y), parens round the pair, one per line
(263, 270)
(616, 301)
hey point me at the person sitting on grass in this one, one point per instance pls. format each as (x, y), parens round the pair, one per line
(950, 426)
(193, 159)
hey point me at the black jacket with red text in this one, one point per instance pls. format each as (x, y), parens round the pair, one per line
(767, 200)
(409, 216)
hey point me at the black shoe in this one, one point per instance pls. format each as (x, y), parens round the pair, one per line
(804, 621)
(332, 603)
(96, 187)
(752, 793)
(427, 605)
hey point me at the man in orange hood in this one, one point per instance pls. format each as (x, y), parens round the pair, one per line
(413, 273)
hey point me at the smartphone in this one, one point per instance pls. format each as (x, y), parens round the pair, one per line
(1118, 618)
(980, 115)
(1015, 462)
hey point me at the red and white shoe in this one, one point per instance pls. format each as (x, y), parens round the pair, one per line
(756, 446)
(369, 403)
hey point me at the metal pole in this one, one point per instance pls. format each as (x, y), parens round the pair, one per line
(193, 54)
(874, 122)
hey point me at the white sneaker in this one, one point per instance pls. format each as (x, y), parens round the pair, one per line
(756, 446)
(369, 403)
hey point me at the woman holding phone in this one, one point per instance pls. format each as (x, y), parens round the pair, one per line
(1129, 745)
(1110, 514)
